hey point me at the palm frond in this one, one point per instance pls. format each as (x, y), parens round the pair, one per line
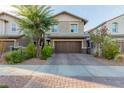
(35, 19)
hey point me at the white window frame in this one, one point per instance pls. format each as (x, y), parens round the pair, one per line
(13, 26)
(57, 28)
(71, 26)
(115, 24)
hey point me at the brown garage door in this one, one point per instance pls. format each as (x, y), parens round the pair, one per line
(5, 45)
(121, 45)
(68, 46)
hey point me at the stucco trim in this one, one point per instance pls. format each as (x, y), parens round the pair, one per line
(8, 40)
(67, 39)
(11, 37)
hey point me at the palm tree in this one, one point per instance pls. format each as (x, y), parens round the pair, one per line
(35, 21)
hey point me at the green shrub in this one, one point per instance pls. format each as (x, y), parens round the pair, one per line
(20, 55)
(119, 58)
(110, 48)
(14, 57)
(46, 51)
(31, 50)
(24, 54)
(8, 56)
(4, 86)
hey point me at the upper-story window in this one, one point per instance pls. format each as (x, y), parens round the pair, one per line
(115, 27)
(54, 28)
(13, 27)
(74, 28)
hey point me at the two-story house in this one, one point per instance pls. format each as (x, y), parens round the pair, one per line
(67, 36)
(115, 27)
(9, 31)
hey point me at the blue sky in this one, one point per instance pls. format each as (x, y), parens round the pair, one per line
(95, 14)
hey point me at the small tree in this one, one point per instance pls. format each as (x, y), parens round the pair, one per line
(98, 38)
(104, 43)
(35, 21)
(110, 48)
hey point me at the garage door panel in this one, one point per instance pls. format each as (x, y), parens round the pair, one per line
(5, 45)
(121, 45)
(68, 46)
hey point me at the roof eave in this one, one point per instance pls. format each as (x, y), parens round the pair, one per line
(4, 13)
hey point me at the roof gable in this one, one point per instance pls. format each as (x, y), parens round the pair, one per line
(4, 13)
(105, 22)
(72, 15)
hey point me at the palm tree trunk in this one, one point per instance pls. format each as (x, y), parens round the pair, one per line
(38, 49)
(43, 41)
(97, 49)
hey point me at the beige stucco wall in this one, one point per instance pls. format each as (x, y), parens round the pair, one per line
(1, 27)
(64, 26)
(66, 17)
(120, 21)
(8, 28)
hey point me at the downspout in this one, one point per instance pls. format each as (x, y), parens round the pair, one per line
(5, 31)
(5, 34)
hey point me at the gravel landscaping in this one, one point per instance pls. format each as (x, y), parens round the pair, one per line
(33, 61)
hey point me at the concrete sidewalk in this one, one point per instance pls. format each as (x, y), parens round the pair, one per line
(63, 70)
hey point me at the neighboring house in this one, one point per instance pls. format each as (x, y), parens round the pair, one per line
(9, 33)
(67, 36)
(115, 27)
